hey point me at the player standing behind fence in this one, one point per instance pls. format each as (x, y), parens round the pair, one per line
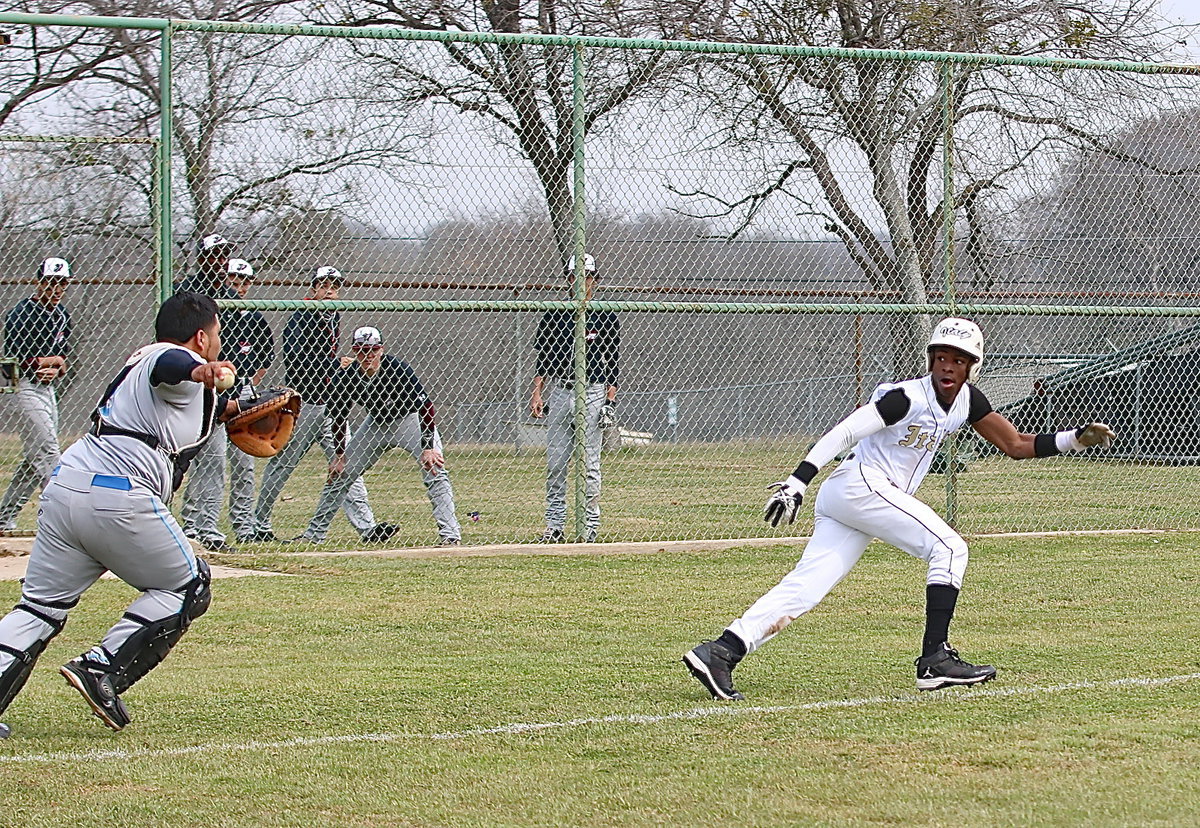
(205, 492)
(870, 495)
(555, 345)
(310, 359)
(105, 509)
(37, 334)
(249, 345)
(399, 415)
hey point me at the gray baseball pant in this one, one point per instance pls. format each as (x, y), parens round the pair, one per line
(205, 490)
(370, 441)
(312, 425)
(37, 423)
(241, 491)
(560, 430)
(85, 527)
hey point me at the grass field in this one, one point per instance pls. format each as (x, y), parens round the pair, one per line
(717, 490)
(547, 691)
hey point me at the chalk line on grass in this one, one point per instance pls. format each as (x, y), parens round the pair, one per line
(521, 728)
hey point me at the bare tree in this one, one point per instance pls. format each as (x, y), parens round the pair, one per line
(262, 126)
(859, 143)
(526, 91)
(42, 60)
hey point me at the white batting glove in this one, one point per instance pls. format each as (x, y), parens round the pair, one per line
(1096, 434)
(783, 505)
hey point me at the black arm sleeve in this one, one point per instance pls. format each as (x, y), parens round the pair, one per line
(172, 368)
(541, 344)
(341, 400)
(264, 344)
(893, 406)
(980, 407)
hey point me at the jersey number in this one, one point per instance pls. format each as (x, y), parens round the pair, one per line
(920, 440)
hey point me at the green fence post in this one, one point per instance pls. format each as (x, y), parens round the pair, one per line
(579, 445)
(166, 265)
(946, 71)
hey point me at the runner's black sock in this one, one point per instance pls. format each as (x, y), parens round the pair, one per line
(735, 644)
(939, 609)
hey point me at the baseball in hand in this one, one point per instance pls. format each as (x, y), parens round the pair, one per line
(224, 379)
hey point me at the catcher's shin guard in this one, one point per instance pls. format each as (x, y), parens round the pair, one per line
(14, 676)
(146, 648)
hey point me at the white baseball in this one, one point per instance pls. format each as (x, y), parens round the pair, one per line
(224, 380)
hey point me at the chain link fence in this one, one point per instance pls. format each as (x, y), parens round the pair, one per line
(773, 228)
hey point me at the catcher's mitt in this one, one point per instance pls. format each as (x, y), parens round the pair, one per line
(264, 421)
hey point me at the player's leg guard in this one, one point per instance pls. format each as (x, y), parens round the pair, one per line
(142, 651)
(14, 676)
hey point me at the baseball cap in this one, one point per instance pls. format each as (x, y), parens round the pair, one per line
(240, 268)
(211, 242)
(589, 264)
(54, 270)
(328, 274)
(366, 337)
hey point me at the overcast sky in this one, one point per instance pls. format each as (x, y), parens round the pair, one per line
(1184, 11)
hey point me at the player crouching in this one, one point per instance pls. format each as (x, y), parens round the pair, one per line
(870, 495)
(105, 508)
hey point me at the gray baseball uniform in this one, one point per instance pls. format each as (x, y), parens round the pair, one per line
(105, 508)
(399, 415)
(555, 345)
(33, 330)
(560, 433)
(311, 426)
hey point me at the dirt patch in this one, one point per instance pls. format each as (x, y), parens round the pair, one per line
(493, 550)
(14, 555)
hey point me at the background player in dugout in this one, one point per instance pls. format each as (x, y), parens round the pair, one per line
(399, 414)
(248, 343)
(553, 397)
(205, 492)
(105, 509)
(37, 334)
(310, 360)
(870, 495)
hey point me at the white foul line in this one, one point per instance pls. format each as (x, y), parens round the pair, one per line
(518, 728)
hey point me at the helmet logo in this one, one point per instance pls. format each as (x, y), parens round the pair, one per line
(951, 330)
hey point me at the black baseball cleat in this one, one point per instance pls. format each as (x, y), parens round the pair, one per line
(552, 536)
(380, 532)
(712, 664)
(218, 545)
(260, 536)
(95, 685)
(945, 669)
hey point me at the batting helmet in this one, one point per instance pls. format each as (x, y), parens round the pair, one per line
(962, 335)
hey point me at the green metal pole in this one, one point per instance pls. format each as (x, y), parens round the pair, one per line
(579, 445)
(166, 266)
(948, 216)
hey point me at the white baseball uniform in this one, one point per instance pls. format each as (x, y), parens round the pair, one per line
(870, 495)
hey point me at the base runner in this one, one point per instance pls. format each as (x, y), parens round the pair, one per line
(870, 495)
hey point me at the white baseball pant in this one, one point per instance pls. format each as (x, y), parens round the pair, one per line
(855, 505)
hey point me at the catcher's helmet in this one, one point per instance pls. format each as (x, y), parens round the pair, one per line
(962, 335)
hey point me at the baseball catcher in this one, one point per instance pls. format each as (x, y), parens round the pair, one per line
(264, 421)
